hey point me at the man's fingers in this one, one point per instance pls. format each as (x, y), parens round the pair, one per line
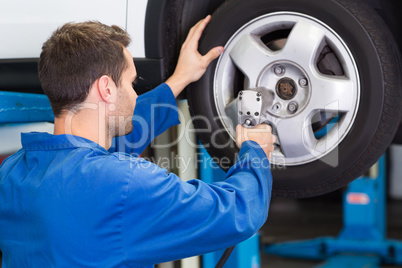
(194, 29)
(195, 35)
(201, 27)
(239, 134)
(264, 126)
(195, 32)
(262, 134)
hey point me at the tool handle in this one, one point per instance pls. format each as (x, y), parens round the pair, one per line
(224, 257)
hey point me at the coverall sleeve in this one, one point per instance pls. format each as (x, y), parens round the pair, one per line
(168, 219)
(155, 111)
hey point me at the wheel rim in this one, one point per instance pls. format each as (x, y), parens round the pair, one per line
(287, 48)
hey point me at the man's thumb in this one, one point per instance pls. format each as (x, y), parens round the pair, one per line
(214, 53)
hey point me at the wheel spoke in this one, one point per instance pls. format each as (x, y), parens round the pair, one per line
(251, 56)
(303, 44)
(232, 113)
(333, 94)
(296, 137)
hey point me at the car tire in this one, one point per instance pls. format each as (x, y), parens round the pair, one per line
(361, 50)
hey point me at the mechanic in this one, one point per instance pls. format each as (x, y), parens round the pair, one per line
(79, 198)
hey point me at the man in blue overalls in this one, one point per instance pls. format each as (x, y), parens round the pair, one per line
(81, 198)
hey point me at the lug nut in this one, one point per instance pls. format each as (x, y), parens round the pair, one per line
(247, 122)
(279, 70)
(303, 82)
(276, 107)
(292, 107)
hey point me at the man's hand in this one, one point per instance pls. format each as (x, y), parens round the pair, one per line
(261, 134)
(191, 65)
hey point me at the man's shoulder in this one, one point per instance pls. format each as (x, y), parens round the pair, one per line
(12, 158)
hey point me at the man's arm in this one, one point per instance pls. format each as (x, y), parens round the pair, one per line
(166, 219)
(156, 110)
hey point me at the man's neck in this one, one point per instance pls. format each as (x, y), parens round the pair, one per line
(83, 126)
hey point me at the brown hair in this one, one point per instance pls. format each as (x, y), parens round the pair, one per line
(75, 56)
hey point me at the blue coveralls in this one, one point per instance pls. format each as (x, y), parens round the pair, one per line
(67, 202)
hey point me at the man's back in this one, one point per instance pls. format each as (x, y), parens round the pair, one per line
(62, 202)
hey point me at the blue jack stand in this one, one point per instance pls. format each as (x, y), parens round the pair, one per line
(362, 241)
(245, 254)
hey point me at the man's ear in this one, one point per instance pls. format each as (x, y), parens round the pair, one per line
(106, 88)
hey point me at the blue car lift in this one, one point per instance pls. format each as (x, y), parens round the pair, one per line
(362, 241)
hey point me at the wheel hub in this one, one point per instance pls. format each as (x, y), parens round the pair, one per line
(290, 87)
(286, 88)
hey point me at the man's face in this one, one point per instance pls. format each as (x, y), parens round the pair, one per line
(126, 99)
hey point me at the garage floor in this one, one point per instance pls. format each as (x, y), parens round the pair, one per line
(291, 220)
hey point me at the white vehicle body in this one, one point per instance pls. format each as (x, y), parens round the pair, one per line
(24, 22)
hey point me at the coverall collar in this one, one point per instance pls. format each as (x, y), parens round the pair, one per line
(45, 141)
